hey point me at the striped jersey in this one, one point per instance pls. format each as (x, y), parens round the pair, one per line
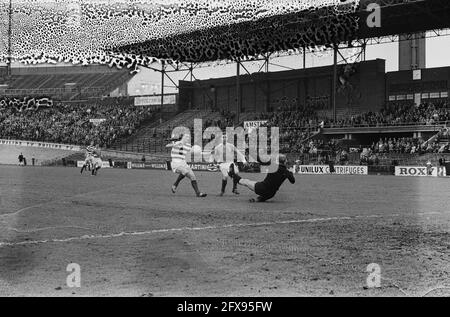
(90, 150)
(225, 153)
(179, 151)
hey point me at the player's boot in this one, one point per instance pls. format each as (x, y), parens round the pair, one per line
(235, 192)
(197, 192)
(174, 189)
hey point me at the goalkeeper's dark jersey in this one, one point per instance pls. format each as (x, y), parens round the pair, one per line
(273, 181)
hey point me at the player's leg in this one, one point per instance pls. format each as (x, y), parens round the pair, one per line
(176, 168)
(94, 169)
(235, 180)
(177, 182)
(224, 185)
(190, 174)
(224, 167)
(93, 162)
(98, 166)
(85, 165)
(185, 171)
(241, 181)
(246, 183)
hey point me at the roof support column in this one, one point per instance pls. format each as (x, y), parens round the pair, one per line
(163, 74)
(238, 90)
(334, 84)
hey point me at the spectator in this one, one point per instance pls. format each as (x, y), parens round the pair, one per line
(70, 123)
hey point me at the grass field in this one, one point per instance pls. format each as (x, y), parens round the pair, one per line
(132, 237)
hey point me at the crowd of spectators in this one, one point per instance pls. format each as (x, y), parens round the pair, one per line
(407, 146)
(297, 126)
(226, 119)
(322, 153)
(70, 123)
(396, 114)
(411, 146)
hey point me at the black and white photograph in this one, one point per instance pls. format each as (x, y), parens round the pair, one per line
(225, 154)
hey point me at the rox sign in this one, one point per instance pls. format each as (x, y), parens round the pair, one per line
(420, 171)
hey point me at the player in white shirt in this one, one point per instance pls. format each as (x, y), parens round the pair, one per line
(179, 166)
(96, 162)
(88, 162)
(223, 154)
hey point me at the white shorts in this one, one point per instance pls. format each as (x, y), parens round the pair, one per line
(88, 160)
(97, 162)
(225, 168)
(181, 167)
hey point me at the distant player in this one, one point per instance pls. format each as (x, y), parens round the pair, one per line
(21, 159)
(270, 185)
(88, 162)
(96, 162)
(179, 166)
(223, 154)
(429, 168)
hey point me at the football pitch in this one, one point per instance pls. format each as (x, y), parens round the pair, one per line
(131, 236)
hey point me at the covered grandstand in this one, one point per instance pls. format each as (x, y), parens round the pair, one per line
(65, 82)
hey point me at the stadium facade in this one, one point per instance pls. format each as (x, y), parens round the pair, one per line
(362, 87)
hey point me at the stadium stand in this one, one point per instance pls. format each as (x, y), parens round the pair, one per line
(9, 154)
(65, 83)
(303, 128)
(71, 123)
(398, 114)
(153, 138)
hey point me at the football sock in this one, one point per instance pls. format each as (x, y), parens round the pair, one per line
(235, 182)
(179, 179)
(195, 186)
(224, 185)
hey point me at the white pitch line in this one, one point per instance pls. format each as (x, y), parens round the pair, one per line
(149, 232)
(238, 225)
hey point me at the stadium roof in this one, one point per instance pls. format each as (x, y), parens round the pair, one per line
(132, 32)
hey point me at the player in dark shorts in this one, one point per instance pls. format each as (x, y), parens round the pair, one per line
(270, 185)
